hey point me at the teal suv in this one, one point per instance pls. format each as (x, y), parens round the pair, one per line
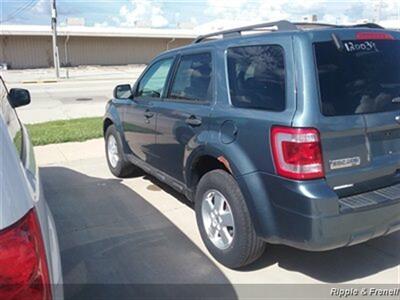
(285, 133)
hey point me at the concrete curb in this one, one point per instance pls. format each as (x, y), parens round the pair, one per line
(39, 81)
(69, 80)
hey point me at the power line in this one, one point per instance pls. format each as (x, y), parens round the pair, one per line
(13, 15)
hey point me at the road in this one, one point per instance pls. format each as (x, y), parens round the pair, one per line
(139, 231)
(84, 94)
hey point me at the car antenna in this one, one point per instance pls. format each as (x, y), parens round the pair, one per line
(338, 42)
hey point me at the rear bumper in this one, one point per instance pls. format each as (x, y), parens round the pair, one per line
(306, 215)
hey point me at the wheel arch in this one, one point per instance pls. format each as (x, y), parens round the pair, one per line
(238, 169)
(204, 160)
(107, 122)
(112, 117)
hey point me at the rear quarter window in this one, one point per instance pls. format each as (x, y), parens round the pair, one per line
(256, 76)
(362, 78)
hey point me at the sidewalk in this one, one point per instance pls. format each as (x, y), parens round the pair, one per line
(31, 76)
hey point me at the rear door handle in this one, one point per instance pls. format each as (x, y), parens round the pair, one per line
(193, 121)
(148, 114)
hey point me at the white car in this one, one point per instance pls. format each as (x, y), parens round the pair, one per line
(30, 265)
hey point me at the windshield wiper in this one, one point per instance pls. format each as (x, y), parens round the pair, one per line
(338, 42)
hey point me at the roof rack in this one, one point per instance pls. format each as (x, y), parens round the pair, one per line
(282, 25)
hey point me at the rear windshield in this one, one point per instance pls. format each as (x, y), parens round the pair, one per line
(363, 77)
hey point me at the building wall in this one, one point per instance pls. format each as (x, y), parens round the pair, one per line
(26, 51)
(21, 52)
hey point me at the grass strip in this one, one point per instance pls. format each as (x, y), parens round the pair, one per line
(74, 130)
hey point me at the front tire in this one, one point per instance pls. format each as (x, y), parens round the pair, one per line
(224, 221)
(117, 163)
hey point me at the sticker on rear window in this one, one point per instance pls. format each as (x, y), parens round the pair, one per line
(367, 46)
(396, 100)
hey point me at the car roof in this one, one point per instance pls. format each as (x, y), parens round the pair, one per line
(288, 29)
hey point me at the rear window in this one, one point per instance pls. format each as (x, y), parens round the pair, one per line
(256, 77)
(362, 78)
(192, 81)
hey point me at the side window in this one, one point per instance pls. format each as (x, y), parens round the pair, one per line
(256, 76)
(153, 82)
(10, 118)
(193, 78)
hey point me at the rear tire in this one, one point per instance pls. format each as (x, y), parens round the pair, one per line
(116, 160)
(242, 246)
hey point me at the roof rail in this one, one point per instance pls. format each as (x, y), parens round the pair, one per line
(367, 25)
(280, 25)
(312, 24)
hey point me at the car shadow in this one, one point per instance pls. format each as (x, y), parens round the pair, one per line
(115, 245)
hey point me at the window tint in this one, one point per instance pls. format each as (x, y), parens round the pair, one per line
(10, 119)
(153, 82)
(193, 78)
(363, 78)
(256, 77)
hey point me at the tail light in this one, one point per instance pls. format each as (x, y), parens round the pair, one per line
(23, 267)
(297, 152)
(373, 36)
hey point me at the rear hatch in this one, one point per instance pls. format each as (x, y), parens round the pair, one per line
(358, 78)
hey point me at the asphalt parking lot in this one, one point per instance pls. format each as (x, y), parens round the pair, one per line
(138, 231)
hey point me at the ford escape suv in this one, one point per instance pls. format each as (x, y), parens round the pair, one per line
(282, 133)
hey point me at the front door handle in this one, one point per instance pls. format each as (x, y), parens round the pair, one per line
(148, 114)
(397, 118)
(193, 121)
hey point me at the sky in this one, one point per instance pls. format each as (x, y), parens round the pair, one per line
(194, 13)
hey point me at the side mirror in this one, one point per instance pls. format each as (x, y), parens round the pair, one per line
(123, 91)
(19, 97)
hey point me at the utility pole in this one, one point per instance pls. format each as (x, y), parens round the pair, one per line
(54, 30)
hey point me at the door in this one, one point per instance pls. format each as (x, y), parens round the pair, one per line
(360, 101)
(139, 121)
(182, 117)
